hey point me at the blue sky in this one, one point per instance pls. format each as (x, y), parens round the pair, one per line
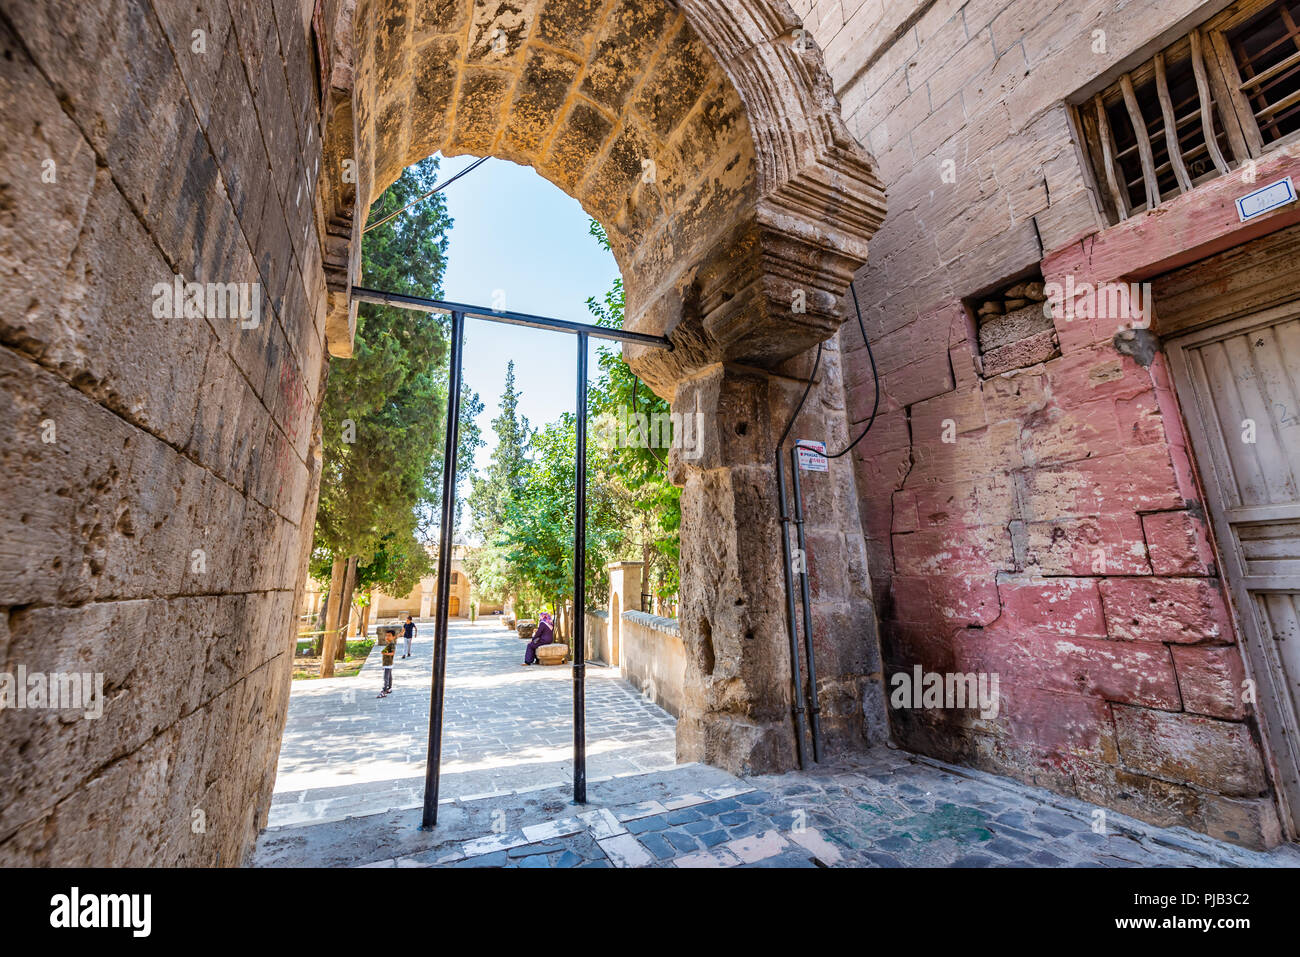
(516, 232)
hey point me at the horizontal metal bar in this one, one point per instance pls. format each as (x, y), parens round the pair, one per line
(403, 301)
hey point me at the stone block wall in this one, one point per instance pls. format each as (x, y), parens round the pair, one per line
(653, 658)
(597, 636)
(160, 468)
(1044, 523)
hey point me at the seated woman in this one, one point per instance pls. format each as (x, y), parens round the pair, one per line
(544, 635)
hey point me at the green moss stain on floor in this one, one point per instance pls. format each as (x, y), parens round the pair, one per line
(964, 825)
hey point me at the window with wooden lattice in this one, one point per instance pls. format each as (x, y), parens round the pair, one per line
(1215, 99)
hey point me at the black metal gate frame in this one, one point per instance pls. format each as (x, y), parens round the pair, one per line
(459, 312)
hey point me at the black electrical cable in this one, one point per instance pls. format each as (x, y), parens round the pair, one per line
(799, 408)
(436, 187)
(875, 376)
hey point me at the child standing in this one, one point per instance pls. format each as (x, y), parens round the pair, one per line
(390, 649)
(409, 630)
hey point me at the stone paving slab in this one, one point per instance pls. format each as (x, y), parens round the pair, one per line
(881, 809)
(392, 835)
(351, 782)
(507, 730)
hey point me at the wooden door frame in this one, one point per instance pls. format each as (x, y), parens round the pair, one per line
(1275, 709)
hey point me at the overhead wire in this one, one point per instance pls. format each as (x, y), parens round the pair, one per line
(420, 199)
(875, 375)
(636, 382)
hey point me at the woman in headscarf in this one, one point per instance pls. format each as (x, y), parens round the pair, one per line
(544, 635)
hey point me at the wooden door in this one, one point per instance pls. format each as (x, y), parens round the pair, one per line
(454, 607)
(1239, 384)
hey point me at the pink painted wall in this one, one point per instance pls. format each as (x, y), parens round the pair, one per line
(1059, 540)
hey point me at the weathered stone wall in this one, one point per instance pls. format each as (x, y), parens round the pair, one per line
(653, 658)
(598, 636)
(986, 500)
(159, 473)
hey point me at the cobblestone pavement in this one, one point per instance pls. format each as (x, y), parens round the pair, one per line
(883, 809)
(351, 780)
(507, 729)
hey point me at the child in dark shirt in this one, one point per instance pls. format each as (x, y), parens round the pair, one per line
(409, 630)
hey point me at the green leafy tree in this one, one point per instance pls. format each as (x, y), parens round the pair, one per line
(651, 505)
(536, 538)
(504, 476)
(492, 492)
(382, 418)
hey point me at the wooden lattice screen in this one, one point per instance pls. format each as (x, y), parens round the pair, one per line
(1210, 102)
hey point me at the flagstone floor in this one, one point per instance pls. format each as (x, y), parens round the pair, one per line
(351, 782)
(882, 809)
(506, 728)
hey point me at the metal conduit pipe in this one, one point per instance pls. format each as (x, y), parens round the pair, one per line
(813, 705)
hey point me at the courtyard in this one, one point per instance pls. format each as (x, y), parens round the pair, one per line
(508, 729)
(351, 781)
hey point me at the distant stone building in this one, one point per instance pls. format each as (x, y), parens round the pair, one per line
(419, 602)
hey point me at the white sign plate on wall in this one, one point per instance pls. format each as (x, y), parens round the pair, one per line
(1266, 199)
(812, 456)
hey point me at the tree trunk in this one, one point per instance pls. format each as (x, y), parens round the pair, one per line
(647, 566)
(333, 606)
(365, 615)
(321, 615)
(350, 586)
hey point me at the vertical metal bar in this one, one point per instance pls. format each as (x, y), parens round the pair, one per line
(445, 533)
(580, 584)
(813, 707)
(799, 728)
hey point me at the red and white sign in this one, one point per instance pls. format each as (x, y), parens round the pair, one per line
(812, 456)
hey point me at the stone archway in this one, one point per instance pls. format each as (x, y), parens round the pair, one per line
(705, 137)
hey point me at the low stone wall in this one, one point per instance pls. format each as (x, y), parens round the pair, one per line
(599, 644)
(653, 658)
